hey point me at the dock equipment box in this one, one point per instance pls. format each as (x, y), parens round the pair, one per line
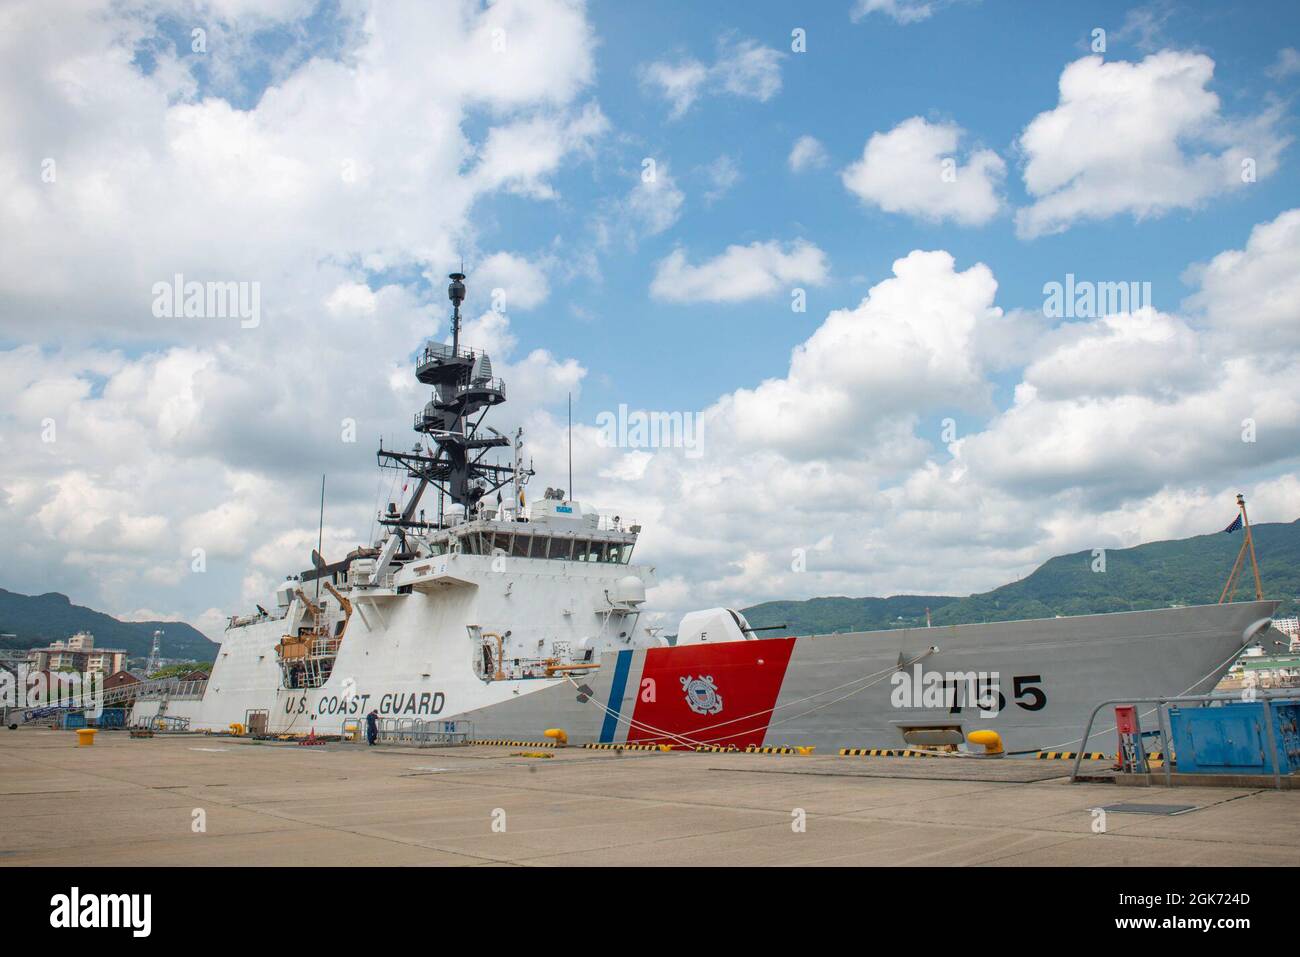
(1233, 739)
(110, 718)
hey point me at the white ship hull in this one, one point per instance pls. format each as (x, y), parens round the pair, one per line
(829, 692)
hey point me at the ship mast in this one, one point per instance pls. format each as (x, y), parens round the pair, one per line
(1247, 549)
(464, 389)
(456, 293)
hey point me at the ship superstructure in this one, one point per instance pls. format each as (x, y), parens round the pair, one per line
(471, 594)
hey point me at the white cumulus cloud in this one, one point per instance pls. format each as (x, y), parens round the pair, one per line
(739, 273)
(522, 283)
(1141, 138)
(913, 169)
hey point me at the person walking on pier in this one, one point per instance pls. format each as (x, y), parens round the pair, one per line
(372, 727)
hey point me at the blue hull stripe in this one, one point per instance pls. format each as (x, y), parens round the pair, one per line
(619, 685)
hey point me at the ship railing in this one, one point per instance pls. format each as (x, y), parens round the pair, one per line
(482, 385)
(617, 523)
(412, 732)
(239, 621)
(164, 722)
(164, 687)
(1166, 734)
(441, 352)
(325, 647)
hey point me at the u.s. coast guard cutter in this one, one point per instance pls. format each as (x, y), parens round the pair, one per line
(516, 618)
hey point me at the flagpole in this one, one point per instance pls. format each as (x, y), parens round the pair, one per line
(1250, 541)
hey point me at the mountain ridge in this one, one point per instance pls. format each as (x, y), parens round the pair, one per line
(36, 620)
(1184, 571)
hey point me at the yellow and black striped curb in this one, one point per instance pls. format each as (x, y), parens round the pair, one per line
(699, 748)
(501, 742)
(1071, 755)
(751, 749)
(913, 753)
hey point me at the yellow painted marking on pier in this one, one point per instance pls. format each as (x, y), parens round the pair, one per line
(502, 743)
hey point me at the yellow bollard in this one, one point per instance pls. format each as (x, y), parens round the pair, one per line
(85, 737)
(991, 740)
(558, 736)
(805, 749)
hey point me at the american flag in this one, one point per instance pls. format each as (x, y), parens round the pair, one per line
(1236, 524)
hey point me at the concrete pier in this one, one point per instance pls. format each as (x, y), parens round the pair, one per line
(208, 800)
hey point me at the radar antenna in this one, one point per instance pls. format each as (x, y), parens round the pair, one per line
(464, 389)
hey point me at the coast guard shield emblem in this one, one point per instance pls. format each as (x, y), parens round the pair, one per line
(702, 694)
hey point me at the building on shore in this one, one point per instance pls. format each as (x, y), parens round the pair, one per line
(77, 653)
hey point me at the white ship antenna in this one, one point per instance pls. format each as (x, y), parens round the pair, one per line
(320, 536)
(456, 293)
(519, 448)
(570, 446)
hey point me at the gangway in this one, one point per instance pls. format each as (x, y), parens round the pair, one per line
(165, 689)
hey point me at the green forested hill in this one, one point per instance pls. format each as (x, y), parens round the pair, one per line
(39, 619)
(818, 616)
(1189, 571)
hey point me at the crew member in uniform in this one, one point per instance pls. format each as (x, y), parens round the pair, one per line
(372, 727)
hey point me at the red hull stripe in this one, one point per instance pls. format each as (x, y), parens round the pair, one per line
(719, 694)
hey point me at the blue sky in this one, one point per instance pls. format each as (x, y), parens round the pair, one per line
(990, 67)
(345, 155)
